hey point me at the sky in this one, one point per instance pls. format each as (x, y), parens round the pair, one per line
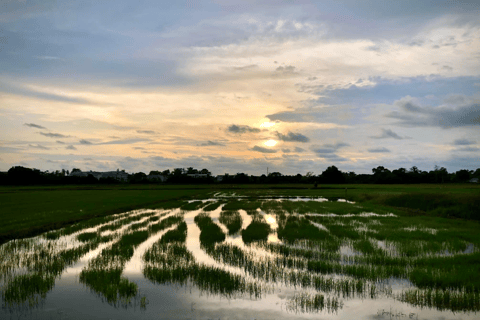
(239, 86)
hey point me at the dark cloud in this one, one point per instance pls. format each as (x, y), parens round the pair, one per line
(211, 143)
(322, 114)
(241, 129)
(285, 70)
(60, 142)
(38, 146)
(146, 131)
(291, 136)
(83, 141)
(263, 150)
(329, 151)
(70, 147)
(387, 133)
(297, 149)
(379, 150)
(125, 141)
(463, 142)
(33, 125)
(413, 115)
(286, 150)
(53, 135)
(469, 149)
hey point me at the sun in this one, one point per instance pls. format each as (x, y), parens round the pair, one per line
(270, 143)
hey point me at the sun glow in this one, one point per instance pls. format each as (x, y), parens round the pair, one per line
(267, 124)
(270, 143)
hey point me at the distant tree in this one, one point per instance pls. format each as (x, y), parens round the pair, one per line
(76, 170)
(332, 175)
(462, 175)
(166, 172)
(154, 172)
(191, 170)
(205, 171)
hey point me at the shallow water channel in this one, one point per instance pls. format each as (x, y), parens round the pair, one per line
(98, 270)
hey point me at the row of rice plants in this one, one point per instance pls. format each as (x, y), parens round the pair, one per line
(168, 261)
(276, 270)
(310, 303)
(291, 228)
(27, 290)
(210, 231)
(103, 274)
(257, 230)
(232, 220)
(43, 268)
(442, 299)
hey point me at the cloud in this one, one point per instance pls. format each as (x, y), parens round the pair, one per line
(469, 149)
(211, 143)
(463, 142)
(292, 137)
(21, 91)
(263, 150)
(297, 149)
(379, 150)
(38, 146)
(70, 147)
(124, 141)
(411, 114)
(329, 151)
(83, 141)
(53, 135)
(387, 133)
(33, 125)
(60, 142)
(241, 129)
(330, 115)
(146, 131)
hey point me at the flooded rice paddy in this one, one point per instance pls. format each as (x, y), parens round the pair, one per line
(237, 257)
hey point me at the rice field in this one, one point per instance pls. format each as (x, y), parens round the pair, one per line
(241, 256)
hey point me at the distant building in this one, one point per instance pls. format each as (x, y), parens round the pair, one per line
(117, 175)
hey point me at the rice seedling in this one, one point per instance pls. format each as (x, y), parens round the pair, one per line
(258, 230)
(442, 299)
(295, 228)
(232, 220)
(103, 274)
(210, 231)
(27, 290)
(213, 206)
(313, 303)
(87, 236)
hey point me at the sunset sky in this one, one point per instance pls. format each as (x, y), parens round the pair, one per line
(239, 86)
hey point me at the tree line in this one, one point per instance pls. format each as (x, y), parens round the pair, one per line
(332, 175)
